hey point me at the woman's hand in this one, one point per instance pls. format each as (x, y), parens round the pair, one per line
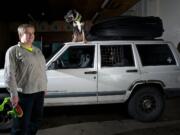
(14, 100)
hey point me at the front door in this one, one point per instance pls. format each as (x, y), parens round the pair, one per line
(73, 80)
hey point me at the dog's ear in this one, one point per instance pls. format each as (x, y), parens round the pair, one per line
(73, 15)
(69, 17)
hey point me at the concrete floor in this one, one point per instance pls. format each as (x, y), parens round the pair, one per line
(109, 122)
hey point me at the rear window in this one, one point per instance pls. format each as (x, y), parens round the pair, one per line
(155, 54)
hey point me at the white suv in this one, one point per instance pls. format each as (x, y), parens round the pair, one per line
(139, 73)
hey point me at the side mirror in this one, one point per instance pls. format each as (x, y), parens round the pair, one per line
(54, 65)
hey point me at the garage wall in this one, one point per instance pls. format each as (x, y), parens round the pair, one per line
(4, 41)
(168, 10)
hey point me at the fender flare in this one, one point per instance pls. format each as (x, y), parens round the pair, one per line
(142, 82)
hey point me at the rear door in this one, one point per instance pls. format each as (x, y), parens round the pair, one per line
(73, 78)
(117, 70)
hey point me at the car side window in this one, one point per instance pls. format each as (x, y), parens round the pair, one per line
(155, 54)
(76, 57)
(116, 56)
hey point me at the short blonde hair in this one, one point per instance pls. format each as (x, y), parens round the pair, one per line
(21, 28)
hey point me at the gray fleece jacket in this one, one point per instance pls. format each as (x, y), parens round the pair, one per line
(25, 71)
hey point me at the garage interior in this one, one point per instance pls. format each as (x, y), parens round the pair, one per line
(51, 10)
(48, 16)
(52, 30)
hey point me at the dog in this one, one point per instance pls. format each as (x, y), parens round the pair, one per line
(75, 19)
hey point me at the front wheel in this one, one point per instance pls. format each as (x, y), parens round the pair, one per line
(147, 104)
(5, 120)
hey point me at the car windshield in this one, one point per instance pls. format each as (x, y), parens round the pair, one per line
(48, 58)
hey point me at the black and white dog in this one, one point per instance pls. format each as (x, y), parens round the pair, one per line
(75, 19)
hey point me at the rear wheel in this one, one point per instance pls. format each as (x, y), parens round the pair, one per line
(147, 104)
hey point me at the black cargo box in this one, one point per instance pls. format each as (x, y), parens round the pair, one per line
(127, 27)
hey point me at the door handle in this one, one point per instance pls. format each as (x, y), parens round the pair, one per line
(132, 70)
(90, 72)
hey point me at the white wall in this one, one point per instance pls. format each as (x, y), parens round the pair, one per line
(170, 13)
(167, 10)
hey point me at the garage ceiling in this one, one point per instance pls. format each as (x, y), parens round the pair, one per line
(50, 10)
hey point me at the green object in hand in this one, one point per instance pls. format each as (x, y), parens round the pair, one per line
(6, 101)
(14, 112)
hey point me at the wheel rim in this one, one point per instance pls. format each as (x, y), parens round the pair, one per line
(5, 121)
(147, 104)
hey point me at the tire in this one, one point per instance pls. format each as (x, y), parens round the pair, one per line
(146, 105)
(5, 120)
